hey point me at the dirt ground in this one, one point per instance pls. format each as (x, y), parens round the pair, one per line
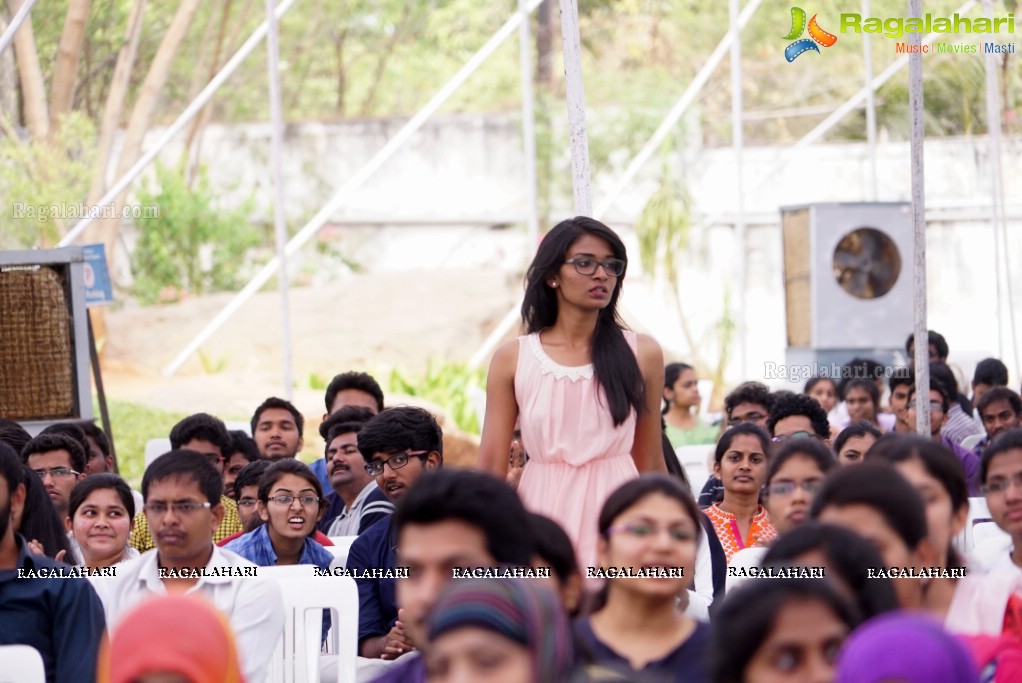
(371, 321)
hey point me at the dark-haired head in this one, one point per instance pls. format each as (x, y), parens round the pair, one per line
(614, 364)
(281, 404)
(854, 441)
(824, 390)
(72, 430)
(756, 612)
(202, 427)
(632, 525)
(99, 482)
(552, 548)
(477, 499)
(744, 428)
(1006, 442)
(862, 397)
(399, 429)
(935, 386)
(13, 434)
(795, 472)
(12, 471)
(847, 559)
(938, 346)
(756, 398)
(186, 466)
(797, 412)
(860, 368)
(943, 372)
(354, 389)
(990, 372)
(39, 520)
(58, 441)
(281, 468)
(344, 421)
(1000, 409)
(454, 518)
(939, 477)
(877, 502)
(246, 491)
(672, 373)
(242, 443)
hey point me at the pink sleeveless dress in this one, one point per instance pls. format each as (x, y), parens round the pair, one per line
(577, 457)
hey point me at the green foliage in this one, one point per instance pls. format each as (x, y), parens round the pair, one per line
(193, 246)
(134, 424)
(318, 382)
(210, 365)
(447, 385)
(40, 178)
(663, 227)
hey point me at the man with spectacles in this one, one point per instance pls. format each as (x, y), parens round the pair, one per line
(1001, 472)
(182, 492)
(940, 401)
(207, 436)
(399, 445)
(354, 502)
(797, 416)
(59, 461)
(61, 618)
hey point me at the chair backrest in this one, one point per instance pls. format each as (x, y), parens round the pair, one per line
(154, 448)
(21, 664)
(980, 525)
(970, 442)
(694, 459)
(305, 597)
(339, 549)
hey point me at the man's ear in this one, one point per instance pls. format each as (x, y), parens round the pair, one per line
(432, 460)
(17, 499)
(218, 513)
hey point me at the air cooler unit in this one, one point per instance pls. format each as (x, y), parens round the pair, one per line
(44, 344)
(847, 281)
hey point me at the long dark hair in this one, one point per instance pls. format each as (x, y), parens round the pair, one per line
(614, 364)
(40, 521)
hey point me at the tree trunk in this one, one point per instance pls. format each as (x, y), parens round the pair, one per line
(381, 63)
(545, 44)
(8, 82)
(191, 156)
(108, 229)
(62, 88)
(33, 87)
(115, 100)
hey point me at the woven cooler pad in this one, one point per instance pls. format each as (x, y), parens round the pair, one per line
(36, 366)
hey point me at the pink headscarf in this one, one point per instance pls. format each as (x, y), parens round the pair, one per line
(176, 634)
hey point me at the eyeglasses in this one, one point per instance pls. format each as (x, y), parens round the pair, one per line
(751, 417)
(57, 472)
(780, 438)
(787, 488)
(396, 462)
(1002, 484)
(645, 532)
(307, 501)
(182, 508)
(587, 266)
(247, 502)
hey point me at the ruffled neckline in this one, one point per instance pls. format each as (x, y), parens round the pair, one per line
(550, 367)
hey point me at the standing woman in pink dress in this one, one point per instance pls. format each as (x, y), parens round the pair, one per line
(584, 390)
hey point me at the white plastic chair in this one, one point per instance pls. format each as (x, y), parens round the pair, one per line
(746, 558)
(339, 549)
(970, 442)
(693, 459)
(21, 664)
(980, 525)
(306, 595)
(154, 448)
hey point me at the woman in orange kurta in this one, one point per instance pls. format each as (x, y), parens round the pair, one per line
(740, 462)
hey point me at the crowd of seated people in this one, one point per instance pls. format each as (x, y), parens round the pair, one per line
(826, 545)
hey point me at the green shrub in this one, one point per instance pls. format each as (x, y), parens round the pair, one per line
(193, 246)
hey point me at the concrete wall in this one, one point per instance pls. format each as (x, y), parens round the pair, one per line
(459, 175)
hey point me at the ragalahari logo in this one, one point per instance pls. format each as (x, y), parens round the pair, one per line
(798, 26)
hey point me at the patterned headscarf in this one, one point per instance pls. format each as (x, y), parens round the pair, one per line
(177, 634)
(901, 646)
(519, 609)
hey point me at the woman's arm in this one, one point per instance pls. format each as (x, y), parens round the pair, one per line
(501, 411)
(647, 449)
